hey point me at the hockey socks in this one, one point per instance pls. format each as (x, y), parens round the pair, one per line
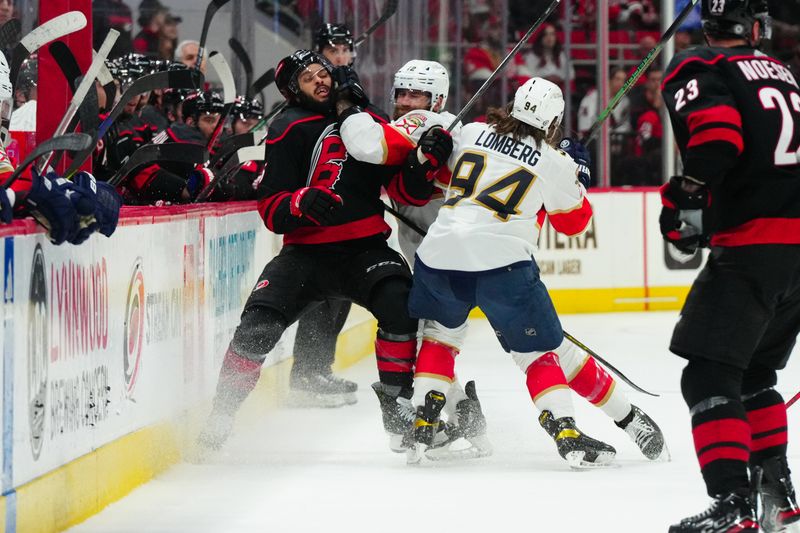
(395, 355)
(237, 378)
(546, 383)
(435, 369)
(766, 414)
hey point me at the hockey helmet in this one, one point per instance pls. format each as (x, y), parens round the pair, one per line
(26, 79)
(539, 103)
(735, 18)
(245, 109)
(290, 67)
(428, 76)
(333, 33)
(202, 102)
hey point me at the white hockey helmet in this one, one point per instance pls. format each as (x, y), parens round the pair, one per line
(420, 75)
(6, 99)
(538, 102)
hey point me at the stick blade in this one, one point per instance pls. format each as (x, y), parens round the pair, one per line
(223, 70)
(262, 82)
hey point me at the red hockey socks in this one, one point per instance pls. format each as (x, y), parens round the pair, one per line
(396, 360)
(766, 415)
(548, 387)
(435, 369)
(237, 378)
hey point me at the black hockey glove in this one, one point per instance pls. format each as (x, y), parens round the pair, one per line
(580, 154)
(435, 145)
(685, 214)
(317, 204)
(347, 86)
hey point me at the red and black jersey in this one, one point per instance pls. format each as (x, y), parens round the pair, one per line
(304, 149)
(736, 116)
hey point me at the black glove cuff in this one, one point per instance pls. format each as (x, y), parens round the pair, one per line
(350, 111)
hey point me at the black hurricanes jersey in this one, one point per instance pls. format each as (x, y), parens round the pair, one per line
(736, 116)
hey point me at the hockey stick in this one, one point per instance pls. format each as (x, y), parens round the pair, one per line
(10, 33)
(189, 153)
(389, 9)
(88, 110)
(71, 142)
(793, 400)
(247, 65)
(211, 10)
(231, 145)
(223, 70)
(83, 89)
(483, 88)
(176, 79)
(51, 30)
(243, 155)
(643, 65)
(261, 83)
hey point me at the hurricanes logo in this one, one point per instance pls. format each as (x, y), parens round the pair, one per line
(330, 156)
(133, 338)
(411, 123)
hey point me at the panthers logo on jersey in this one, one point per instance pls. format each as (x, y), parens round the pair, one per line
(411, 123)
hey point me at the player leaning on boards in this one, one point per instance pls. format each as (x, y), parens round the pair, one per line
(733, 109)
(419, 92)
(327, 205)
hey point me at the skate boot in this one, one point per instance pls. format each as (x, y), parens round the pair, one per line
(579, 450)
(426, 427)
(729, 513)
(645, 433)
(320, 390)
(397, 412)
(212, 437)
(470, 425)
(779, 510)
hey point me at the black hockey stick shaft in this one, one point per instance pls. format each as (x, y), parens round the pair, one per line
(247, 65)
(189, 153)
(223, 70)
(71, 142)
(389, 9)
(211, 10)
(263, 81)
(231, 145)
(243, 155)
(472, 101)
(605, 363)
(643, 66)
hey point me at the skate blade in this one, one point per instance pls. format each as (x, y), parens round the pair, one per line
(576, 460)
(476, 447)
(663, 457)
(416, 454)
(396, 443)
(299, 399)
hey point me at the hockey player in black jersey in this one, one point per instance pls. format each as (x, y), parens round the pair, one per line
(734, 111)
(327, 206)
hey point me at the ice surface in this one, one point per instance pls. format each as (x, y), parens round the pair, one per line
(331, 470)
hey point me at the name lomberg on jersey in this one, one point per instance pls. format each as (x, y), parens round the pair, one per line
(764, 69)
(508, 146)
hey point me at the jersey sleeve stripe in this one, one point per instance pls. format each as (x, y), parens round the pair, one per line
(268, 206)
(686, 62)
(572, 222)
(720, 113)
(397, 145)
(728, 135)
(292, 125)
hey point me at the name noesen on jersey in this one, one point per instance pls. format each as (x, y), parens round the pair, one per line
(764, 69)
(508, 146)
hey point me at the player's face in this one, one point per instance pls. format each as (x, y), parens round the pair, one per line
(339, 54)
(315, 82)
(407, 100)
(189, 56)
(243, 126)
(206, 124)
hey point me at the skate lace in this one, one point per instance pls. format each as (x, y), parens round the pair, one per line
(641, 430)
(406, 410)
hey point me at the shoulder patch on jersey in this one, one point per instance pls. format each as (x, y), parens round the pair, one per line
(411, 122)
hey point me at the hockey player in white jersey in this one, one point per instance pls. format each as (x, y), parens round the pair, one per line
(506, 177)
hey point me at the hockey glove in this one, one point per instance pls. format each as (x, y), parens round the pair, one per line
(435, 145)
(347, 86)
(7, 198)
(317, 204)
(198, 179)
(51, 206)
(107, 203)
(83, 196)
(685, 214)
(580, 154)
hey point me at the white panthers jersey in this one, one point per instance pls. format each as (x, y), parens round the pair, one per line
(500, 191)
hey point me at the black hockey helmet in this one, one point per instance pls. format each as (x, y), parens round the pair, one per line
(245, 109)
(735, 18)
(291, 66)
(28, 76)
(202, 102)
(330, 34)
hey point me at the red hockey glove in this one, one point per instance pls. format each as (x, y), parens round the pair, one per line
(685, 214)
(317, 204)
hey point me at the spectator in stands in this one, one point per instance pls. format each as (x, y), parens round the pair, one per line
(794, 62)
(186, 53)
(785, 27)
(152, 15)
(639, 15)
(112, 14)
(168, 37)
(638, 95)
(644, 168)
(683, 40)
(6, 10)
(548, 60)
(619, 121)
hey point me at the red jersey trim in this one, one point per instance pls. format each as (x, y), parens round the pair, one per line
(686, 62)
(379, 118)
(572, 222)
(760, 231)
(366, 227)
(718, 135)
(719, 113)
(268, 206)
(398, 146)
(292, 125)
(143, 178)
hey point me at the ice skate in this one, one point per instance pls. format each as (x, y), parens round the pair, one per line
(320, 390)
(426, 426)
(645, 433)
(470, 426)
(212, 437)
(398, 413)
(729, 513)
(779, 512)
(579, 450)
